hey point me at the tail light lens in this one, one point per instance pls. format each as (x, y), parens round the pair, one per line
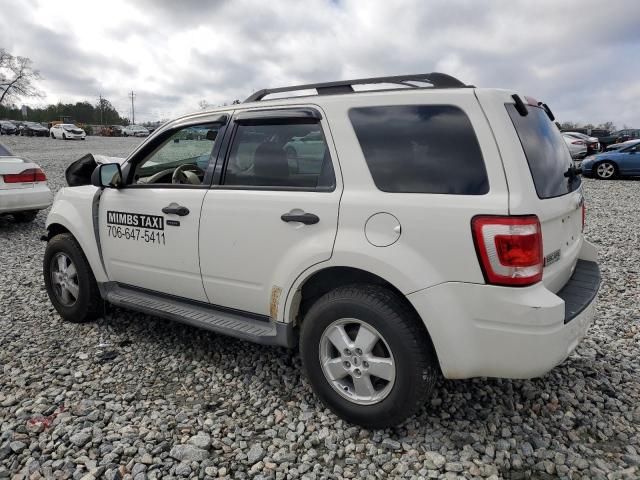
(509, 249)
(578, 142)
(26, 176)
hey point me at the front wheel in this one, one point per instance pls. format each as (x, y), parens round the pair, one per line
(64, 136)
(367, 355)
(53, 136)
(605, 170)
(69, 281)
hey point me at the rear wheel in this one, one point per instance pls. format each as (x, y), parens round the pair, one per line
(24, 217)
(605, 170)
(70, 283)
(367, 356)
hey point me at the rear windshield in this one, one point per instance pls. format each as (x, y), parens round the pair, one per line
(547, 153)
(421, 149)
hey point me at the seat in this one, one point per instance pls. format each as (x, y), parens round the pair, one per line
(270, 165)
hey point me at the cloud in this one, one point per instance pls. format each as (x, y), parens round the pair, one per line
(579, 56)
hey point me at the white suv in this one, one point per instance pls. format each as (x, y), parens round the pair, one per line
(430, 228)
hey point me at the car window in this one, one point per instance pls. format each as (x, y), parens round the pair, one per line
(547, 155)
(421, 149)
(189, 148)
(283, 155)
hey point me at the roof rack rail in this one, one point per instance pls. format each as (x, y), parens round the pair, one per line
(436, 79)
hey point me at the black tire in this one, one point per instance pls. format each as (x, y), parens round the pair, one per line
(601, 170)
(415, 361)
(64, 137)
(25, 217)
(53, 136)
(88, 305)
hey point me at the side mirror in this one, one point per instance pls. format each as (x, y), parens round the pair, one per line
(107, 175)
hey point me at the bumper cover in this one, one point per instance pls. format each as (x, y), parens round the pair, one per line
(23, 199)
(490, 331)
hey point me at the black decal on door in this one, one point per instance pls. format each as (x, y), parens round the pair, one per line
(154, 222)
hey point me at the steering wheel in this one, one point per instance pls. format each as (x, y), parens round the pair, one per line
(187, 173)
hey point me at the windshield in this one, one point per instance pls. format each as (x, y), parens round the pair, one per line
(547, 153)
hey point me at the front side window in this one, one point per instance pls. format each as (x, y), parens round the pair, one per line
(282, 155)
(180, 159)
(421, 149)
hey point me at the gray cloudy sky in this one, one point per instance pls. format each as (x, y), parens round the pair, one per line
(582, 57)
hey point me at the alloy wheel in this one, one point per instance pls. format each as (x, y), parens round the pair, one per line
(357, 361)
(64, 279)
(605, 170)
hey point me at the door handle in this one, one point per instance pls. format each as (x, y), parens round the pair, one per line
(306, 218)
(176, 209)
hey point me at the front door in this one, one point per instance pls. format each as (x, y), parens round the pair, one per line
(149, 227)
(272, 214)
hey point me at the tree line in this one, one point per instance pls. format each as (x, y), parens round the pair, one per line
(102, 113)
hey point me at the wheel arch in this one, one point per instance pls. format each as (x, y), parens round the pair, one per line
(63, 218)
(322, 281)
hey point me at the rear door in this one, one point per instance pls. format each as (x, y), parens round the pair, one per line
(266, 220)
(537, 164)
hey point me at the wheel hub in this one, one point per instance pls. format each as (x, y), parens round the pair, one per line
(357, 361)
(64, 279)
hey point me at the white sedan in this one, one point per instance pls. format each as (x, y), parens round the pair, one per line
(577, 147)
(67, 131)
(23, 187)
(135, 131)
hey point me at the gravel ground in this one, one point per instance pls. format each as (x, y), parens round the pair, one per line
(132, 396)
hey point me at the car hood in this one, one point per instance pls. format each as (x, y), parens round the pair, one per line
(79, 172)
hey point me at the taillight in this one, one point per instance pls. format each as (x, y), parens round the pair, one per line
(26, 176)
(509, 249)
(578, 142)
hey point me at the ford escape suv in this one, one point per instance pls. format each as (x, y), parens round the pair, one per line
(392, 234)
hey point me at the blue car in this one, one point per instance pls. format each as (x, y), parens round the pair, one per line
(607, 165)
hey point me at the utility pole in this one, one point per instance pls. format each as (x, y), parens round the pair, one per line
(100, 109)
(133, 112)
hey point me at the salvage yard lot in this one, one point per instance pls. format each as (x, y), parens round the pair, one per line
(125, 392)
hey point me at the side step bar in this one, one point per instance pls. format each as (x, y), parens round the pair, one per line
(232, 323)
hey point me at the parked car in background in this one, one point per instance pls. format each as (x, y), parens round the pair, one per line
(593, 145)
(577, 147)
(67, 131)
(620, 136)
(23, 187)
(624, 161)
(8, 128)
(618, 146)
(33, 129)
(135, 131)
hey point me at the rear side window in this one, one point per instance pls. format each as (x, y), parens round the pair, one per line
(280, 156)
(546, 152)
(421, 149)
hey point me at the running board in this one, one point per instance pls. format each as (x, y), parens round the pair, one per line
(208, 317)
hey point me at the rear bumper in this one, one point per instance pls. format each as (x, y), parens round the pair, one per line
(484, 330)
(22, 199)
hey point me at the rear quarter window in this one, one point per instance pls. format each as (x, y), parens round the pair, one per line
(546, 152)
(420, 149)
